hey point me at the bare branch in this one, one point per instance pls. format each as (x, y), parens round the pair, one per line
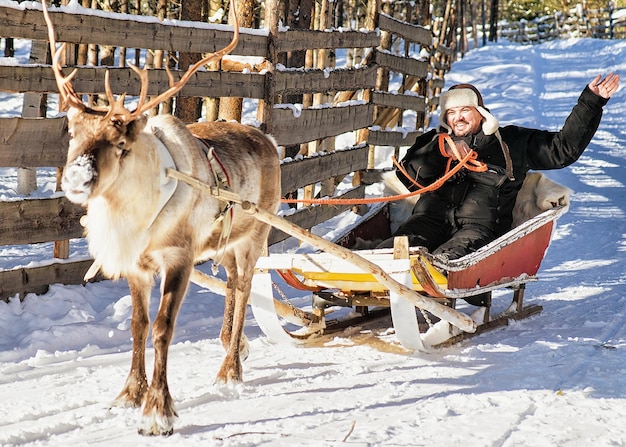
(175, 87)
(64, 83)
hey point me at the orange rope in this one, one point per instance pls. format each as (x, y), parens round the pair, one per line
(470, 161)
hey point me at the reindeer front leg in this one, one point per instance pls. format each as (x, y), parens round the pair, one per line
(159, 413)
(136, 384)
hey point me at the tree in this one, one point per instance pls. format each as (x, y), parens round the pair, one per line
(493, 21)
(189, 109)
(230, 108)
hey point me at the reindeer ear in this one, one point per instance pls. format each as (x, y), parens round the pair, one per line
(136, 126)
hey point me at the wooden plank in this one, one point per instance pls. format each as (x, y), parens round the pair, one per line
(124, 30)
(315, 124)
(413, 33)
(39, 220)
(299, 39)
(323, 81)
(307, 171)
(313, 215)
(437, 82)
(400, 101)
(398, 64)
(392, 138)
(216, 84)
(441, 48)
(33, 142)
(37, 279)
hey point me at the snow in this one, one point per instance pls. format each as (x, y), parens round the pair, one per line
(556, 379)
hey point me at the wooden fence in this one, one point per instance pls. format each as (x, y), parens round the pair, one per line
(358, 106)
(578, 22)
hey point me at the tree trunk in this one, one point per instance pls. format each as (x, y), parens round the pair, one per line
(189, 109)
(230, 108)
(83, 48)
(156, 60)
(299, 16)
(493, 21)
(212, 105)
(9, 47)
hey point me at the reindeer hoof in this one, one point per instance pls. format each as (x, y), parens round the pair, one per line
(156, 425)
(154, 432)
(229, 375)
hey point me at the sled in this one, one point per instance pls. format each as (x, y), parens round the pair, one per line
(419, 290)
(508, 262)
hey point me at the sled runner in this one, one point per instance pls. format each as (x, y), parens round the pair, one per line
(420, 290)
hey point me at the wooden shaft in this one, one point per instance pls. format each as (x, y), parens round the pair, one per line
(460, 320)
(291, 314)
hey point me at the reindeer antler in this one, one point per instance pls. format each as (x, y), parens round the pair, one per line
(177, 86)
(69, 96)
(64, 83)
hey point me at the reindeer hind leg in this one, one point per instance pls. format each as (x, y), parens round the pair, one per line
(237, 344)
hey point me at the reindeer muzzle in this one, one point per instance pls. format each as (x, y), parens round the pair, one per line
(79, 177)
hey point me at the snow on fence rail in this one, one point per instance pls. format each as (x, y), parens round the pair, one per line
(359, 104)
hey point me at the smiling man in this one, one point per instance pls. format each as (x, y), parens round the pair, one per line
(473, 208)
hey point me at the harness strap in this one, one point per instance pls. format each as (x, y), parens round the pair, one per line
(507, 156)
(168, 185)
(225, 216)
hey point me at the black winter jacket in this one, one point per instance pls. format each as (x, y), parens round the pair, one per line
(529, 149)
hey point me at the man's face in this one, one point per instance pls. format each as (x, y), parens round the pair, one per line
(464, 120)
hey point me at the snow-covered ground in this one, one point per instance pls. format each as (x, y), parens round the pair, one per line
(557, 379)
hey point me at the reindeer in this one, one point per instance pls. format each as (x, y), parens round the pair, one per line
(141, 223)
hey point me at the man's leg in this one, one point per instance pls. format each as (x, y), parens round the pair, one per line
(467, 239)
(422, 231)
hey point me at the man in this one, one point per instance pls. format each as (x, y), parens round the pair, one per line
(474, 207)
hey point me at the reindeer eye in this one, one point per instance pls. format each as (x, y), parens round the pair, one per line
(121, 150)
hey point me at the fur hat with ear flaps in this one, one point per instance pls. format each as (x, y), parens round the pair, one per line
(466, 95)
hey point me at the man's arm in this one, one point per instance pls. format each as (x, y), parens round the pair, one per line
(554, 150)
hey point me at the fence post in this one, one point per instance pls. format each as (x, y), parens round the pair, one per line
(264, 112)
(34, 106)
(371, 24)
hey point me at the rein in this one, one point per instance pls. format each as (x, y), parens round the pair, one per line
(469, 161)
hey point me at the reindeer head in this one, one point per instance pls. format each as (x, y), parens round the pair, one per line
(99, 145)
(102, 139)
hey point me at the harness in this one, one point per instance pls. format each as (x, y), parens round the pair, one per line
(225, 215)
(167, 184)
(222, 181)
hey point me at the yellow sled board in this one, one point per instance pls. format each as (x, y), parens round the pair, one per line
(326, 271)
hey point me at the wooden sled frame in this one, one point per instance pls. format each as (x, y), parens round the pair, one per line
(410, 279)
